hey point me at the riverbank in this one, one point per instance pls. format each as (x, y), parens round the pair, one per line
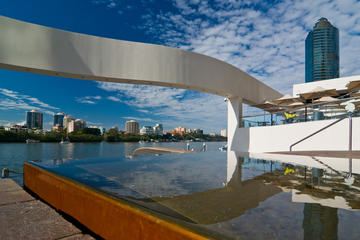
(13, 137)
(21, 137)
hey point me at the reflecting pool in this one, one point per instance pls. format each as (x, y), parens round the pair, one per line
(233, 195)
(13, 155)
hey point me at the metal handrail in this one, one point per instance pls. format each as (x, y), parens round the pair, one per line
(322, 129)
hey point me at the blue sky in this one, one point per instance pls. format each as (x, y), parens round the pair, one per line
(263, 38)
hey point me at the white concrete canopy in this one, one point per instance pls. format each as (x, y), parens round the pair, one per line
(36, 49)
(336, 83)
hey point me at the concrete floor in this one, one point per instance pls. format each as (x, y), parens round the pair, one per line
(24, 217)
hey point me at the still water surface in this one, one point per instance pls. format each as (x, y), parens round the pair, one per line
(13, 155)
(223, 195)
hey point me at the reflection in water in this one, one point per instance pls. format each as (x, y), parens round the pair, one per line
(320, 222)
(34, 151)
(232, 162)
(12, 155)
(317, 174)
(129, 148)
(67, 150)
(232, 197)
(221, 204)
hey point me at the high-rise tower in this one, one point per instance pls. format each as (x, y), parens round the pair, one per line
(66, 120)
(132, 127)
(322, 52)
(34, 119)
(58, 119)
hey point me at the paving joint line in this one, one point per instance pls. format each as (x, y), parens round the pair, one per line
(71, 235)
(11, 203)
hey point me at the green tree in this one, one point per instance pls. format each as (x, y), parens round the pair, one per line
(91, 131)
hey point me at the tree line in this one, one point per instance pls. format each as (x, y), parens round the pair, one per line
(84, 135)
(94, 135)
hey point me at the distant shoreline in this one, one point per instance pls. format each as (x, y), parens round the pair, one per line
(106, 141)
(12, 137)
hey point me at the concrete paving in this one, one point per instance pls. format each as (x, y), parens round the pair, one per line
(24, 217)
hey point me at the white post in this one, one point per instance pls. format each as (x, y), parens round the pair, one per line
(234, 118)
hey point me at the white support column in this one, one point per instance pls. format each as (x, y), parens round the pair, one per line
(234, 118)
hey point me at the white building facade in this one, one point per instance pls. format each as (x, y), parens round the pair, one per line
(223, 133)
(146, 130)
(158, 129)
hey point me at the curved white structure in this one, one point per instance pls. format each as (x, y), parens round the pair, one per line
(37, 49)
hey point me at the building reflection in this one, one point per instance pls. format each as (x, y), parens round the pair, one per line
(129, 148)
(67, 151)
(222, 204)
(34, 152)
(248, 184)
(320, 222)
(322, 191)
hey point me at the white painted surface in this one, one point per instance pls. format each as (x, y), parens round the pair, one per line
(234, 116)
(279, 138)
(336, 83)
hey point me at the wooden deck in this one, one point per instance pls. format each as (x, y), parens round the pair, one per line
(24, 217)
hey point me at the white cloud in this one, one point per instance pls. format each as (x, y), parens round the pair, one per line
(184, 6)
(143, 110)
(269, 43)
(265, 39)
(5, 123)
(22, 123)
(88, 99)
(140, 119)
(142, 96)
(12, 100)
(112, 4)
(94, 123)
(115, 99)
(172, 106)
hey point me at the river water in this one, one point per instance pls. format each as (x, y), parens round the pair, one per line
(223, 195)
(13, 155)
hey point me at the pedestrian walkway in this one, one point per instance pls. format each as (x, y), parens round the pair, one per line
(24, 217)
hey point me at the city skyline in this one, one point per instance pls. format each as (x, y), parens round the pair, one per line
(61, 120)
(265, 39)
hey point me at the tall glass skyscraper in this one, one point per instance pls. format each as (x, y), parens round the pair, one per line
(58, 119)
(34, 119)
(322, 52)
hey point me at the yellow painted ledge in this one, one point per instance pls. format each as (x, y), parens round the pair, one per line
(105, 216)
